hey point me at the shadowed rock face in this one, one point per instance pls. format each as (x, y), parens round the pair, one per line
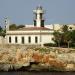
(39, 57)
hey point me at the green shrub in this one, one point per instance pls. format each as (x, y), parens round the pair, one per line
(50, 44)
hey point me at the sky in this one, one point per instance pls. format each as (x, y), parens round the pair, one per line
(21, 11)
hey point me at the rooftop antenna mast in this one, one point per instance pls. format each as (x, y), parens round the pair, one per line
(7, 23)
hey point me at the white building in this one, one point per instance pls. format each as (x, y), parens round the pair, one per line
(36, 34)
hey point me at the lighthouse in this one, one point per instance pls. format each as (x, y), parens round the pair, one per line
(38, 19)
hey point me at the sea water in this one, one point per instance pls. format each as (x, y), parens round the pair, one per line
(37, 73)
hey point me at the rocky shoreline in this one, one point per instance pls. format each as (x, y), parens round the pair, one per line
(37, 59)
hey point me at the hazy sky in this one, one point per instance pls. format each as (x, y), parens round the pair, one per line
(21, 11)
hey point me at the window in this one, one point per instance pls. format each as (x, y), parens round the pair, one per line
(15, 39)
(42, 23)
(40, 15)
(34, 22)
(36, 39)
(53, 39)
(70, 27)
(22, 40)
(9, 39)
(29, 39)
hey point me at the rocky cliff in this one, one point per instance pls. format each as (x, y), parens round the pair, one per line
(37, 58)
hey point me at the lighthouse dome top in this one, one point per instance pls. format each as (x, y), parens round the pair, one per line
(39, 7)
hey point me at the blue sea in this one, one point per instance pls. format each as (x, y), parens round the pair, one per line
(37, 73)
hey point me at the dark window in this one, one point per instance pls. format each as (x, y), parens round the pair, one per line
(15, 39)
(42, 23)
(9, 39)
(52, 39)
(29, 39)
(34, 22)
(36, 39)
(22, 40)
(40, 15)
(70, 27)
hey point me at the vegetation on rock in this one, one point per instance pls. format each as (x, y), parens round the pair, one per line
(66, 38)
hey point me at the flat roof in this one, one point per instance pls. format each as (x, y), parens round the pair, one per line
(32, 28)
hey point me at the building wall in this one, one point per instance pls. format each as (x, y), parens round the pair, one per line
(1, 39)
(29, 32)
(47, 26)
(51, 26)
(47, 39)
(29, 25)
(72, 26)
(43, 38)
(57, 26)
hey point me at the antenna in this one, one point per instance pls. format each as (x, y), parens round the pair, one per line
(7, 23)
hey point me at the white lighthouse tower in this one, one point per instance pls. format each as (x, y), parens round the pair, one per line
(39, 20)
